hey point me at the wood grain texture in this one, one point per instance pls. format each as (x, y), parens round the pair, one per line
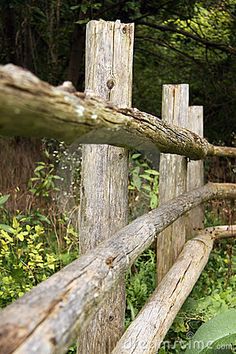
(51, 316)
(173, 178)
(195, 173)
(147, 331)
(104, 180)
(31, 107)
(222, 231)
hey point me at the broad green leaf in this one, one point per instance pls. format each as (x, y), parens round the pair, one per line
(76, 7)
(20, 236)
(131, 188)
(152, 172)
(215, 336)
(82, 22)
(44, 218)
(153, 201)
(57, 177)
(147, 177)
(135, 156)
(6, 228)
(15, 223)
(137, 181)
(39, 168)
(3, 199)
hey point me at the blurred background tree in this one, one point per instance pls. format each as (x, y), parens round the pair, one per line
(176, 41)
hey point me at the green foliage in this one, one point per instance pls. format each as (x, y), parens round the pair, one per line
(213, 293)
(30, 248)
(211, 219)
(27, 257)
(191, 41)
(3, 200)
(207, 63)
(24, 262)
(144, 179)
(215, 336)
(140, 283)
(44, 181)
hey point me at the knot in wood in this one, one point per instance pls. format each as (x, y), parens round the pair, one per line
(110, 84)
(124, 30)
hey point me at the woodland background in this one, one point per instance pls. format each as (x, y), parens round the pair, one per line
(176, 41)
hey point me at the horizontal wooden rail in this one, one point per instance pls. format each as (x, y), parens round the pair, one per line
(49, 317)
(147, 331)
(221, 232)
(31, 107)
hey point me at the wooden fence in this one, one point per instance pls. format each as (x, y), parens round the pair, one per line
(61, 309)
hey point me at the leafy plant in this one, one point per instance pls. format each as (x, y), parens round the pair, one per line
(24, 261)
(215, 336)
(214, 293)
(140, 283)
(28, 256)
(144, 179)
(4, 199)
(43, 182)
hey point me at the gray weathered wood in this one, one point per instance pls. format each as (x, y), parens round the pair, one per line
(50, 317)
(147, 331)
(222, 231)
(173, 178)
(104, 181)
(31, 107)
(195, 176)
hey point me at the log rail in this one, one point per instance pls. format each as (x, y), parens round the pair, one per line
(31, 107)
(52, 315)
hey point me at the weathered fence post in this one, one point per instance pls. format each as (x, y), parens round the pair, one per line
(104, 181)
(173, 178)
(195, 173)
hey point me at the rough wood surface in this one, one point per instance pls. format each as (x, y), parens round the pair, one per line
(222, 231)
(223, 151)
(173, 178)
(104, 179)
(147, 331)
(195, 173)
(50, 317)
(31, 107)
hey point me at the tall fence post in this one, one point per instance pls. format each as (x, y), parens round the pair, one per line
(104, 180)
(173, 178)
(195, 174)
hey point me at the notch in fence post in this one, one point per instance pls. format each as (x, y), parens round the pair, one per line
(195, 173)
(104, 180)
(173, 178)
